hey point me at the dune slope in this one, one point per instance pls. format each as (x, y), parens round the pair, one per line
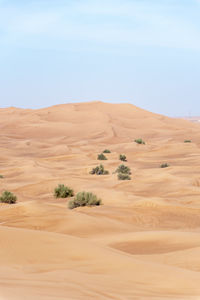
(142, 243)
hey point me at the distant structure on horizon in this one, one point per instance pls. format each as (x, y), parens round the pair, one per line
(192, 119)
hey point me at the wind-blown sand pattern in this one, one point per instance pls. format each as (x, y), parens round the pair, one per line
(142, 243)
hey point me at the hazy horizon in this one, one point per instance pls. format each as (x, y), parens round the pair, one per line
(146, 53)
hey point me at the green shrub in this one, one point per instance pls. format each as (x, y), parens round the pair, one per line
(187, 141)
(84, 199)
(123, 176)
(1, 176)
(106, 151)
(164, 166)
(99, 170)
(63, 191)
(140, 141)
(123, 169)
(101, 157)
(122, 157)
(8, 197)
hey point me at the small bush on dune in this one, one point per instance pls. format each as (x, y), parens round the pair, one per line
(1, 176)
(164, 166)
(140, 141)
(8, 197)
(123, 176)
(84, 199)
(187, 141)
(106, 151)
(101, 157)
(99, 170)
(122, 157)
(123, 169)
(63, 191)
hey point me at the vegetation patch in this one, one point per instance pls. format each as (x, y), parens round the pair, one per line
(123, 169)
(101, 157)
(99, 170)
(140, 141)
(164, 165)
(122, 157)
(84, 199)
(106, 151)
(62, 191)
(187, 141)
(1, 176)
(8, 197)
(122, 176)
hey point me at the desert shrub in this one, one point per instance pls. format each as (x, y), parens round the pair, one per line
(101, 157)
(1, 176)
(122, 157)
(187, 141)
(140, 141)
(8, 197)
(123, 169)
(62, 191)
(123, 176)
(106, 151)
(164, 165)
(99, 170)
(84, 199)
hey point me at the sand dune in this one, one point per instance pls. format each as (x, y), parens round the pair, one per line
(142, 243)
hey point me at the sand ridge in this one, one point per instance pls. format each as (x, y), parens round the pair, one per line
(142, 243)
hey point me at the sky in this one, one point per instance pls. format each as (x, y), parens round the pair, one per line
(144, 52)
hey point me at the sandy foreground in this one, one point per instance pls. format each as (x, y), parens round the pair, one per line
(142, 243)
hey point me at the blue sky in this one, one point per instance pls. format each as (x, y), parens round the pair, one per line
(145, 52)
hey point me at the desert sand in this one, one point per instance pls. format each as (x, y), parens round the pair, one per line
(142, 243)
